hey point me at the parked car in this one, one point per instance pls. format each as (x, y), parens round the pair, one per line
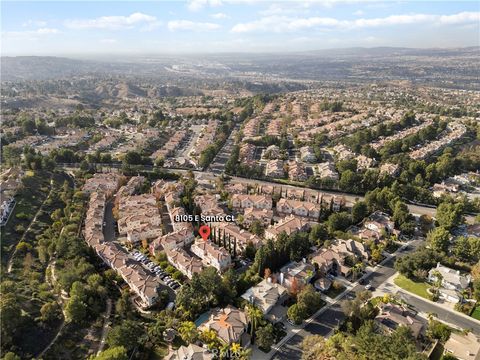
(368, 287)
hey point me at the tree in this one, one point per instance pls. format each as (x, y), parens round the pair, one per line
(309, 299)
(338, 221)
(400, 213)
(113, 353)
(188, 331)
(123, 305)
(438, 330)
(297, 313)
(349, 181)
(422, 259)
(318, 234)
(438, 239)
(28, 126)
(132, 158)
(76, 310)
(255, 316)
(449, 215)
(50, 311)
(11, 356)
(265, 337)
(438, 279)
(11, 316)
(467, 249)
(359, 211)
(257, 228)
(126, 334)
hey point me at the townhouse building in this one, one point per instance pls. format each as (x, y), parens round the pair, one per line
(242, 201)
(299, 208)
(289, 225)
(212, 254)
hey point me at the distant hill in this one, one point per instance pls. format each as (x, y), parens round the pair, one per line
(174, 75)
(42, 67)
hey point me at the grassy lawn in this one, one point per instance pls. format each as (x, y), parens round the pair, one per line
(476, 313)
(418, 288)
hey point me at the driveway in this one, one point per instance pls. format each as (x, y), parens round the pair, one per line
(109, 228)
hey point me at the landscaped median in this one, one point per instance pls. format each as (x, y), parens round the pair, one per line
(417, 288)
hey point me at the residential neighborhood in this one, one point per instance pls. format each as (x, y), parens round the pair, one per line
(240, 180)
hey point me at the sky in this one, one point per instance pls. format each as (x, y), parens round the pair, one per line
(213, 26)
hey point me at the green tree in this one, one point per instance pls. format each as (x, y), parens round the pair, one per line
(265, 337)
(50, 311)
(127, 334)
(359, 211)
(132, 158)
(318, 234)
(349, 181)
(309, 299)
(11, 356)
(113, 353)
(11, 317)
(338, 221)
(188, 331)
(255, 316)
(297, 313)
(400, 213)
(438, 330)
(76, 310)
(438, 239)
(449, 215)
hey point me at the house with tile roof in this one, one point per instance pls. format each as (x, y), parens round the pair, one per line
(230, 324)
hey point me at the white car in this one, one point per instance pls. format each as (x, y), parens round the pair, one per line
(368, 286)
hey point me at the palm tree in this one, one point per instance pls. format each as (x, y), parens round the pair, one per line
(255, 316)
(210, 338)
(225, 351)
(188, 331)
(438, 279)
(243, 354)
(357, 269)
(235, 347)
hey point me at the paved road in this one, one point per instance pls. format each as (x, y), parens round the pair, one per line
(326, 322)
(109, 228)
(218, 164)
(442, 314)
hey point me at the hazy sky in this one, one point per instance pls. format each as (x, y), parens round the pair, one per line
(114, 27)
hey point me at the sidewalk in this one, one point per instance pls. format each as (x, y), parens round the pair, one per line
(292, 331)
(389, 287)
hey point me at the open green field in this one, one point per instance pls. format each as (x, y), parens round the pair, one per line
(418, 288)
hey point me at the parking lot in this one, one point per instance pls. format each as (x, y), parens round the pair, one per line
(156, 270)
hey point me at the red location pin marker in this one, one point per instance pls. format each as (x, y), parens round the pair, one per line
(204, 232)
